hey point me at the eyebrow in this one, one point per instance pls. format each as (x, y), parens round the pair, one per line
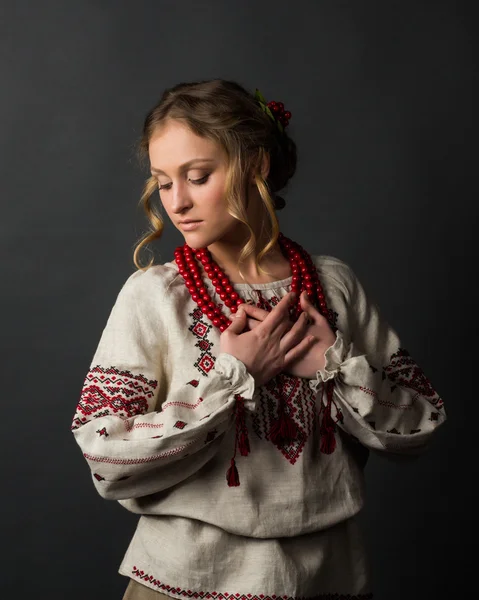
(184, 167)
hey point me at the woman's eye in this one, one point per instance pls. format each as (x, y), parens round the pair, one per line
(201, 180)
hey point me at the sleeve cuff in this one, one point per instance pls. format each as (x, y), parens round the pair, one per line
(334, 357)
(238, 377)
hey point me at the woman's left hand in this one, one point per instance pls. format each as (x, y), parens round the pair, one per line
(313, 358)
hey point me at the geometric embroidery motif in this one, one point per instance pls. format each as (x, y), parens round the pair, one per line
(404, 372)
(110, 391)
(200, 329)
(299, 404)
(214, 595)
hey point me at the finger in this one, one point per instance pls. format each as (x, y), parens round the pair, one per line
(299, 350)
(296, 333)
(238, 322)
(253, 311)
(278, 318)
(309, 307)
(252, 323)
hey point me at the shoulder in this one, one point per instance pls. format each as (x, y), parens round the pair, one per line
(152, 284)
(156, 277)
(335, 273)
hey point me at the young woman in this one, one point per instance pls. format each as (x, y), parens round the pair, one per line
(236, 391)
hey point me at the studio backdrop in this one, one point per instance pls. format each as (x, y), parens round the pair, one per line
(383, 112)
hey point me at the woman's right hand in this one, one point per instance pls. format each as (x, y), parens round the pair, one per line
(267, 349)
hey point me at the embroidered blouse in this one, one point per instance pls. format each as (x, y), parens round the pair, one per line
(162, 413)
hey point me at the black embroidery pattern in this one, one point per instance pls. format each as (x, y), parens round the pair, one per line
(201, 330)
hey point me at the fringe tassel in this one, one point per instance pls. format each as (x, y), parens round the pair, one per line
(232, 476)
(327, 428)
(241, 441)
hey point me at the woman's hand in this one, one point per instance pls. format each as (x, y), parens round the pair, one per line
(312, 357)
(271, 345)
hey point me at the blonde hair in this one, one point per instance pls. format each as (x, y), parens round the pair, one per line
(226, 113)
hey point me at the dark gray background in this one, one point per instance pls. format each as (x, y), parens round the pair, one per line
(382, 99)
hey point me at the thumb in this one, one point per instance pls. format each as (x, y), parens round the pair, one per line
(238, 322)
(308, 306)
(305, 302)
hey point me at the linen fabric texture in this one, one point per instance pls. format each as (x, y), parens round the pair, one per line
(157, 423)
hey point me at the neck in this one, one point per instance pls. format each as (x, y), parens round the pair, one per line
(227, 254)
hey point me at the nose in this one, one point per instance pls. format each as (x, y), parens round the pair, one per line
(180, 198)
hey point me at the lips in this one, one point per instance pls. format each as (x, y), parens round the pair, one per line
(189, 225)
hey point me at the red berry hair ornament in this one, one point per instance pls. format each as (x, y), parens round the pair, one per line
(274, 110)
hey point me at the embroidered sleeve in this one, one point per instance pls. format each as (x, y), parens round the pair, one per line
(378, 392)
(132, 448)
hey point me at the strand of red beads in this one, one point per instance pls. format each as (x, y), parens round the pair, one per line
(304, 278)
(304, 275)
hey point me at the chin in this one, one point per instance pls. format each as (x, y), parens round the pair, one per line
(196, 240)
(202, 239)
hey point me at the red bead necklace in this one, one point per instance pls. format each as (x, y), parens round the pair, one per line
(304, 278)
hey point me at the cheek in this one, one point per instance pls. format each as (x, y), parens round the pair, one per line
(215, 196)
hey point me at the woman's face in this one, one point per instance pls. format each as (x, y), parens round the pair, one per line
(191, 173)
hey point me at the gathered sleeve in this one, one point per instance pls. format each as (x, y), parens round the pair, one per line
(136, 434)
(379, 394)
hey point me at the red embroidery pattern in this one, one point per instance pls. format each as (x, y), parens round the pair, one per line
(109, 391)
(176, 591)
(136, 461)
(129, 426)
(368, 391)
(262, 302)
(201, 330)
(404, 372)
(183, 404)
(386, 403)
(299, 401)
